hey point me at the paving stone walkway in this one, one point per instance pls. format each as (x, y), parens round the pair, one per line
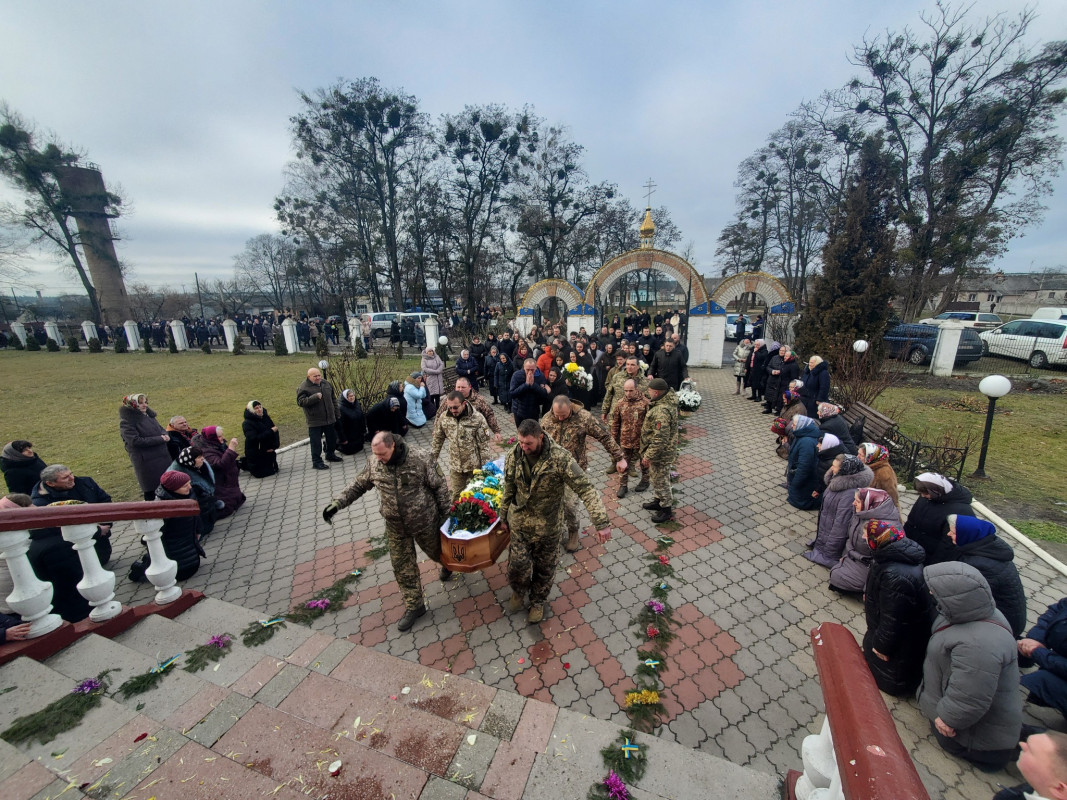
(743, 685)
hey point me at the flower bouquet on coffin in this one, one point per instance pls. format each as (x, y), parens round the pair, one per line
(689, 398)
(576, 377)
(470, 541)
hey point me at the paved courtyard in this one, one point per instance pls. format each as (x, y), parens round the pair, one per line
(742, 683)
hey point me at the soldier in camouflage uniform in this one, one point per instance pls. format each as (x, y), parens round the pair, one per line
(626, 422)
(615, 393)
(536, 472)
(569, 425)
(468, 440)
(413, 498)
(659, 435)
(463, 386)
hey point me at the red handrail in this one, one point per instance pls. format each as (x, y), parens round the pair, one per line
(871, 760)
(20, 519)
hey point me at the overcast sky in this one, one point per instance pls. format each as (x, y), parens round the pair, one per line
(186, 106)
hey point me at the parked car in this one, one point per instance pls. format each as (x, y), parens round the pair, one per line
(914, 343)
(1050, 312)
(971, 319)
(1039, 341)
(731, 326)
(380, 323)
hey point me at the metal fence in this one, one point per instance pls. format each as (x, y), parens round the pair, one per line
(909, 457)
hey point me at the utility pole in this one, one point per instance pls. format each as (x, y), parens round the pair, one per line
(200, 296)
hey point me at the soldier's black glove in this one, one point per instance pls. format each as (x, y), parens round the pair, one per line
(329, 511)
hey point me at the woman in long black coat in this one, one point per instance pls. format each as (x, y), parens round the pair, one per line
(816, 388)
(782, 369)
(261, 441)
(145, 441)
(757, 370)
(980, 547)
(896, 603)
(351, 424)
(927, 523)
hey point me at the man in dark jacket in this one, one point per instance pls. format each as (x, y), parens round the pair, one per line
(528, 391)
(1046, 646)
(668, 364)
(51, 556)
(317, 398)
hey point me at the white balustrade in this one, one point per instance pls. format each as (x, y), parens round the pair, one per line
(177, 332)
(31, 598)
(89, 330)
(229, 330)
(97, 584)
(133, 334)
(292, 340)
(161, 573)
(820, 780)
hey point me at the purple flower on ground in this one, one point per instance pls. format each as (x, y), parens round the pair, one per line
(220, 641)
(322, 604)
(615, 786)
(88, 686)
(656, 606)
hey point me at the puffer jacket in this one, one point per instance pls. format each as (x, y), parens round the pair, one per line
(223, 463)
(803, 469)
(433, 373)
(777, 384)
(179, 537)
(850, 573)
(971, 671)
(21, 472)
(836, 516)
(741, 354)
(469, 368)
(757, 370)
(993, 557)
(927, 523)
(351, 427)
(468, 439)
(897, 606)
(414, 395)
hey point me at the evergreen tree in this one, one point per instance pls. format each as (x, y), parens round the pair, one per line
(146, 343)
(73, 345)
(238, 345)
(32, 343)
(52, 345)
(850, 300)
(279, 345)
(120, 344)
(95, 346)
(171, 344)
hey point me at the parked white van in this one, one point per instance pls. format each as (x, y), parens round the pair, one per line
(1038, 341)
(1050, 312)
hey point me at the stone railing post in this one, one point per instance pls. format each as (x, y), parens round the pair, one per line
(163, 570)
(177, 331)
(133, 334)
(31, 598)
(943, 358)
(229, 330)
(56, 335)
(292, 340)
(97, 584)
(820, 768)
(19, 330)
(89, 330)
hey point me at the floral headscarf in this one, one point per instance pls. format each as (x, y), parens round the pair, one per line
(880, 533)
(780, 426)
(872, 453)
(871, 498)
(827, 410)
(791, 397)
(131, 400)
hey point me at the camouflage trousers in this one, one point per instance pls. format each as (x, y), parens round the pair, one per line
(532, 563)
(402, 555)
(660, 476)
(572, 507)
(633, 460)
(457, 482)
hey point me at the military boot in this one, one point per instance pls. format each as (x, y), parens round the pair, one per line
(516, 603)
(641, 485)
(662, 515)
(651, 505)
(537, 613)
(573, 545)
(410, 616)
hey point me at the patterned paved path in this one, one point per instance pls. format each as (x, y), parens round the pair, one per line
(744, 685)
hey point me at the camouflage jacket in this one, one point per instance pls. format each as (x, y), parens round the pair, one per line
(626, 420)
(571, 434)
(468, 439)
(615, 391)
(411, 490)
(482, 407)
(660, 429)
(532, 500)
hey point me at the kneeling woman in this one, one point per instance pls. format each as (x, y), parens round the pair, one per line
(261, 441)
(805, 480)
(223, 460)
(181, 535)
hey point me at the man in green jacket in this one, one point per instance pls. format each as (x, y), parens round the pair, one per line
(659, 433)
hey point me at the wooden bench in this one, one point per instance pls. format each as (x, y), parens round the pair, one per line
(877, 427)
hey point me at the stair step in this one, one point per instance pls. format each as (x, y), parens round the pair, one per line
(213, 616)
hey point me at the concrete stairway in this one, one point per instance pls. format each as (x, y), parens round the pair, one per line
(268, 721)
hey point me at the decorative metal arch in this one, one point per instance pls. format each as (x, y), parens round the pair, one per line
(568, 292)
(766, 286)
(638, 260)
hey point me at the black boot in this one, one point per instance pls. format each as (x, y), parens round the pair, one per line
(651, 505)
(662, 515)
(409, 617)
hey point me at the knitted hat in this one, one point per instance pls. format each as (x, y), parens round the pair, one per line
(850, 465)
(880, 533)
(971, 529)
(210, 432)
(188, 456)
(870, 498)
(780, 426)
(172, 480)
(394, 403)
(659, 385)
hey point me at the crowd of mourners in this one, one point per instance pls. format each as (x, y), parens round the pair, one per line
(945, 607)
(944, 604)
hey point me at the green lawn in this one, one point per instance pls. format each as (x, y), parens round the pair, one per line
(67, 403)
(1027, 459)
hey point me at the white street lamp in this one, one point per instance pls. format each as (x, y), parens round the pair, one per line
(992, 386)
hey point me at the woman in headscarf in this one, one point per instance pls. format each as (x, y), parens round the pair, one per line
(261, 441)
(351, 424)
(845, 476)
(191, 462)
(829, 449)
(980, 547)
(145, 441)
(831, 421)
(741, 354)
(896, 604)
(468, 367)
(433, 369)
(21, 466)
(850, 573)
(222, 457)
(876, 457)
(414, 394)
(805, 480)
(782, 369)
(557, 386)
(927, 524)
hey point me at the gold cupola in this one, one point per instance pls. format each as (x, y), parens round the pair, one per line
(648, 230)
